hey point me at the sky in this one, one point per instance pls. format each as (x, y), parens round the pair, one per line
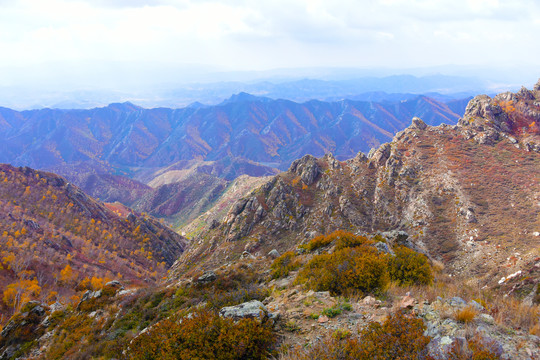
(119, 44)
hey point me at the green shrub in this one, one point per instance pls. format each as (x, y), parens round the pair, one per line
(204, 335)
(361, 269)
(337, 310)
(284, 264)
(332, 312)
(409, 268)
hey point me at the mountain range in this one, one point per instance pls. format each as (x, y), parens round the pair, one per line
(435, 232)
(262, 130)
(295, 85)
(116, 152)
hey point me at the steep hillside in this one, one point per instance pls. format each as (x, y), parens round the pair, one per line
(467, 195)
(114, 153)
(57, 242)
(182, 201)
(236, 189)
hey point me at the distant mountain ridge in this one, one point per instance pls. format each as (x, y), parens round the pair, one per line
(262, 130)
(298, 86)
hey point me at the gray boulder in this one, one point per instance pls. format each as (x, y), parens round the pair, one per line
(273, 254)
(252, 309)
(418, 123)
(207, 277)
(383, 247)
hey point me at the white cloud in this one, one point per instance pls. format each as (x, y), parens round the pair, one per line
(250, 34)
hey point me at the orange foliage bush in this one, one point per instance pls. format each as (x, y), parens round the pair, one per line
(399, 337)
(348, 240)
(507, 106)
(466, 315)
(477, 348)
(342, 239)
(204, 335)
(20, 292)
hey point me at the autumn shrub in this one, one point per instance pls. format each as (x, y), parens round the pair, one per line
(357, 269)
(70, 332)
(399, 337)
(348, 240)
(408, 267)
(477, 348)
(204, 335)
(284, 264)
(342, 239)
(318, 242)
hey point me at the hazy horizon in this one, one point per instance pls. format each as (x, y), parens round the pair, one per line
(134, 48)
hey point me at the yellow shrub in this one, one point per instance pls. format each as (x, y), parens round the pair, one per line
(466, 315)
(284, 264)
(409, 268)
(361, 268)
(204, 335)
(342, 239)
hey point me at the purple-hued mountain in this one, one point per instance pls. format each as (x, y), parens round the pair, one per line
(123, 138)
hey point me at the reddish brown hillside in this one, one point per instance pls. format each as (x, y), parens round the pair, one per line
(57, 242)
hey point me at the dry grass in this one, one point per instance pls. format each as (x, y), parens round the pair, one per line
(512, 312)
(465, 315)
(535, 330)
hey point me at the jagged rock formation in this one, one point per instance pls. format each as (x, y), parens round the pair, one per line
(467, 194)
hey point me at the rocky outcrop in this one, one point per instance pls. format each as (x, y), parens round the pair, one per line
(31, 322)
(511, 116)
(207, 277)
(432, 183)
(252, 309)
(307, 168)
(418, 123)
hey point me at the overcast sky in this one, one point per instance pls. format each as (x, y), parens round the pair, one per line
(108, 41)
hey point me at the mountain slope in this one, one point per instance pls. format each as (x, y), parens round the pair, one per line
(467, 195)
(59, 238)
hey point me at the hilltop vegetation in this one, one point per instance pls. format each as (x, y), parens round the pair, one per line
(57, 243)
